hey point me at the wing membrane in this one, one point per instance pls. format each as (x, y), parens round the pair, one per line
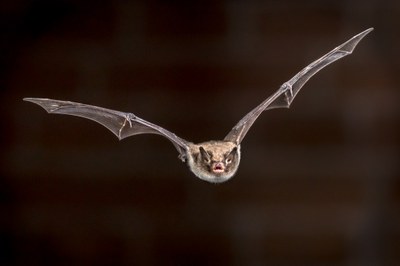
(285, 95)
(120, 123)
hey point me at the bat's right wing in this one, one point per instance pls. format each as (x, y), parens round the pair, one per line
(283, 97)
(121, 124)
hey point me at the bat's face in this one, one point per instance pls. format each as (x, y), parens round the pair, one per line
(214, 161)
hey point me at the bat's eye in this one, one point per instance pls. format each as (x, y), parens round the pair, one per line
(230, 156)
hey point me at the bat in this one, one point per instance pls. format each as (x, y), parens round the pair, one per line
(215, 161)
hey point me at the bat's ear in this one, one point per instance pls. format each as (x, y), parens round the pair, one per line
(204, 154)
(233, 151)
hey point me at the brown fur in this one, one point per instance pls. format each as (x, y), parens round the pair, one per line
(218, 153)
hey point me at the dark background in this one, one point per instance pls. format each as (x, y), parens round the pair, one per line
(318, 184)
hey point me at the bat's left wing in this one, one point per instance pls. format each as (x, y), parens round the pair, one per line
(120, 123)
(283, 97)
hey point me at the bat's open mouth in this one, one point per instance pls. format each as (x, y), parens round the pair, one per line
(218, 168)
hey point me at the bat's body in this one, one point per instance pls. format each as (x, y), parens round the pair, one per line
(212, 161)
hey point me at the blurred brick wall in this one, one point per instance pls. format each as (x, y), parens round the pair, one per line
(318, 185)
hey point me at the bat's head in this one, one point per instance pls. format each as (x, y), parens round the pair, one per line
(214, 161)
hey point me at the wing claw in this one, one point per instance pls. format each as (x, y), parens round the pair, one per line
(130, 117)
(288, 93)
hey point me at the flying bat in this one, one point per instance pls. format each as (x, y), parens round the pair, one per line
(215, 161)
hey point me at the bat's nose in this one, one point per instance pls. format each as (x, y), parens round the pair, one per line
(218, 167)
